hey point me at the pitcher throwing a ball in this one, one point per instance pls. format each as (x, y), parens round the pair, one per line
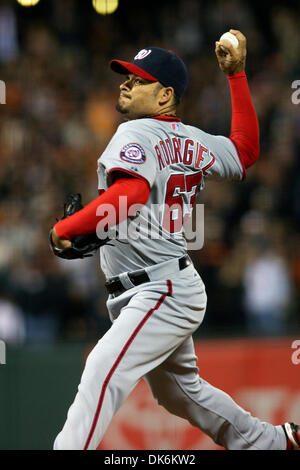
(157, 299)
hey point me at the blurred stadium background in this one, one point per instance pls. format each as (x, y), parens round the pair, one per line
(58, 118)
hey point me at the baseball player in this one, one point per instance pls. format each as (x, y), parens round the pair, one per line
(151, 171)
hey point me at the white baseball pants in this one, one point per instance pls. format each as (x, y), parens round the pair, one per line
(151, 337)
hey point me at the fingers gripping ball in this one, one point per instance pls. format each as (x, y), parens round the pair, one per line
(83, 245)
(230, 38)
(231, 52)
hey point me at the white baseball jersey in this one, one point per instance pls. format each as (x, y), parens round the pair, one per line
(175, 159)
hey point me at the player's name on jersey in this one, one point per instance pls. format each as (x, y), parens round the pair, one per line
(186, 151)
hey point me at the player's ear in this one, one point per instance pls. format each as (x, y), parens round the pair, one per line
(165, 95)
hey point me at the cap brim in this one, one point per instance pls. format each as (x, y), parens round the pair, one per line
(122, 67)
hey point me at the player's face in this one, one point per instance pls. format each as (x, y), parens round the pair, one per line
(138, 97)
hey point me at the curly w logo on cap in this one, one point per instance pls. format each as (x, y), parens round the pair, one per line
(142, 54)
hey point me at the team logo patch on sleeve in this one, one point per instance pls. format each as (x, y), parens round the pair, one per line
(133, 153)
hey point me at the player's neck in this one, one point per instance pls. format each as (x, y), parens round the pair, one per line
(169, 111)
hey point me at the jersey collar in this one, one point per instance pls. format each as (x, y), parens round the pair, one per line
(166, 118)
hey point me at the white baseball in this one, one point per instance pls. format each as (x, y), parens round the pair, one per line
(231, 38)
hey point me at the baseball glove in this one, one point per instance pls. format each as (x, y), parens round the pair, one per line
(82, 246)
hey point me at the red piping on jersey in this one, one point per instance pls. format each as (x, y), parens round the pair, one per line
(120, 357)
(166, 118)
(209, 164)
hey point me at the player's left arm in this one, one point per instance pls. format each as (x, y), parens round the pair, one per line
(244, 123)
(136, 190)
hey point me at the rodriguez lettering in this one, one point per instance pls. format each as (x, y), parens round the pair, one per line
(185, 151)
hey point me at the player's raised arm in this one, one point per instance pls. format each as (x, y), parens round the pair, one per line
(244, 133)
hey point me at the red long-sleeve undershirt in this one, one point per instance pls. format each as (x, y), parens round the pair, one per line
(244, 134)
(86, 220)
(244, 124)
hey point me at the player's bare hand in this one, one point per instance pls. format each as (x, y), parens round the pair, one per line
(232, 60)
(60, 243)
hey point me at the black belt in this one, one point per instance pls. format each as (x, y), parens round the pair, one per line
(139, 277)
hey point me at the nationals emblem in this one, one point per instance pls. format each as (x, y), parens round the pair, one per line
(142, 54)
(133, 153)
